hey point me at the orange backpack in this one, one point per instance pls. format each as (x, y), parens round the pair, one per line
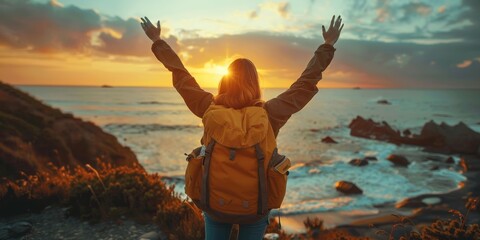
(238, 176)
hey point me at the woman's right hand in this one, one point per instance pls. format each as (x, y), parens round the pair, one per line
(331, 36)
(152, 32)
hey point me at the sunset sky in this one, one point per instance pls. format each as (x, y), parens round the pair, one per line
(385, 43)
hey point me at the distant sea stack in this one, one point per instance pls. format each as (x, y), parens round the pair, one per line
(106, 86)
(32, 135)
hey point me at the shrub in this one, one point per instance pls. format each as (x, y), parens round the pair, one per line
(104, 193)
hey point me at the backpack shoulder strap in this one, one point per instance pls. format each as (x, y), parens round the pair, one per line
(262, 178)
(208, 156)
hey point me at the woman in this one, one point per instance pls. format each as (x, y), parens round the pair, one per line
(240, 89)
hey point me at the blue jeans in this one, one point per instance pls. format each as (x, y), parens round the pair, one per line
(221, 231)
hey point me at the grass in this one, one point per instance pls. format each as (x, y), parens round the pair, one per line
(108, 193)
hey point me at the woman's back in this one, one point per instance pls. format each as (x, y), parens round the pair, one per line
(238, 175)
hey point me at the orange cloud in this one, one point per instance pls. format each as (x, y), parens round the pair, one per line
(465, 64)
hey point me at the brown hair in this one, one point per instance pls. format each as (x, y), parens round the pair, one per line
(240, 87)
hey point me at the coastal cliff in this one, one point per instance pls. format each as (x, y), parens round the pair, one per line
(33, 135)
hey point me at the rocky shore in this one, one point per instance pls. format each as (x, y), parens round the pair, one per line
(425, 209)
(52, 224)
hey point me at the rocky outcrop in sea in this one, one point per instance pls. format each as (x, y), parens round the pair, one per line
(433, 137)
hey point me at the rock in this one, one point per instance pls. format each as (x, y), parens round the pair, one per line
(4, 232)
(407, 132)
(150, 236)
(328, 139)
(398, 160)
(314, 130)
(400, 231)
(15, 230)
(470, 163)
(411, 203)
(434, 137)
(458, 138)
(360, 127)
(435, 158)
(271, 236)
(383, 101)
(19, 229)
(33, 134)
(347, 188)
(450, 160)
(431, 200)
(370, 158)
(418, 202)
(358, 162)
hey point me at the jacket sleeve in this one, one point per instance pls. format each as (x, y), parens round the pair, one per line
(281, 108)
(196, 98)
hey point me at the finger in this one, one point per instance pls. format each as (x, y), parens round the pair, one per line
(148, 22)
(143, 20)
(143, 26)
(338, 22)
(323, 30)
(339, 30)
(158, 24)
(331, 22)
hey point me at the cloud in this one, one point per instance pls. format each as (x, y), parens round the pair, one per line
(464, 64)
(442, 9)
(56, 3)
(400, 61)
(387, 12)
(46, 27)
(466, 21)
(51, 27)
(281, 8)
(253, 14)
(387, 63)
(417, 8)
(131, 39)
(414, 21)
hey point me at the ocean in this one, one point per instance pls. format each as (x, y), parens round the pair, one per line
(158, 127)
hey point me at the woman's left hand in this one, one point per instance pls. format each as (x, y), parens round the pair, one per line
(333, 33)
(152, 32)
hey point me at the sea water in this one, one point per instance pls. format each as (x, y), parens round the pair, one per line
(159, 128)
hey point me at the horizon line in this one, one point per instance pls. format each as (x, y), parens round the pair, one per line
(147, 86)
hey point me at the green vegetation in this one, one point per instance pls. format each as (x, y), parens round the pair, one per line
(108, 193)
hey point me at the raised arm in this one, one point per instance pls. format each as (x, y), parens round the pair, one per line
(196, 98)
(281, 108)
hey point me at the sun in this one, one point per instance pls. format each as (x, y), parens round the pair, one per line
(220, 70)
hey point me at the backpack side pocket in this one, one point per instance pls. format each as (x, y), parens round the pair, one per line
(277, 180)
(193, 177)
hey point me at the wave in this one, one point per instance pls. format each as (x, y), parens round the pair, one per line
(109, 103)
(144, 128)
(159, 103)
